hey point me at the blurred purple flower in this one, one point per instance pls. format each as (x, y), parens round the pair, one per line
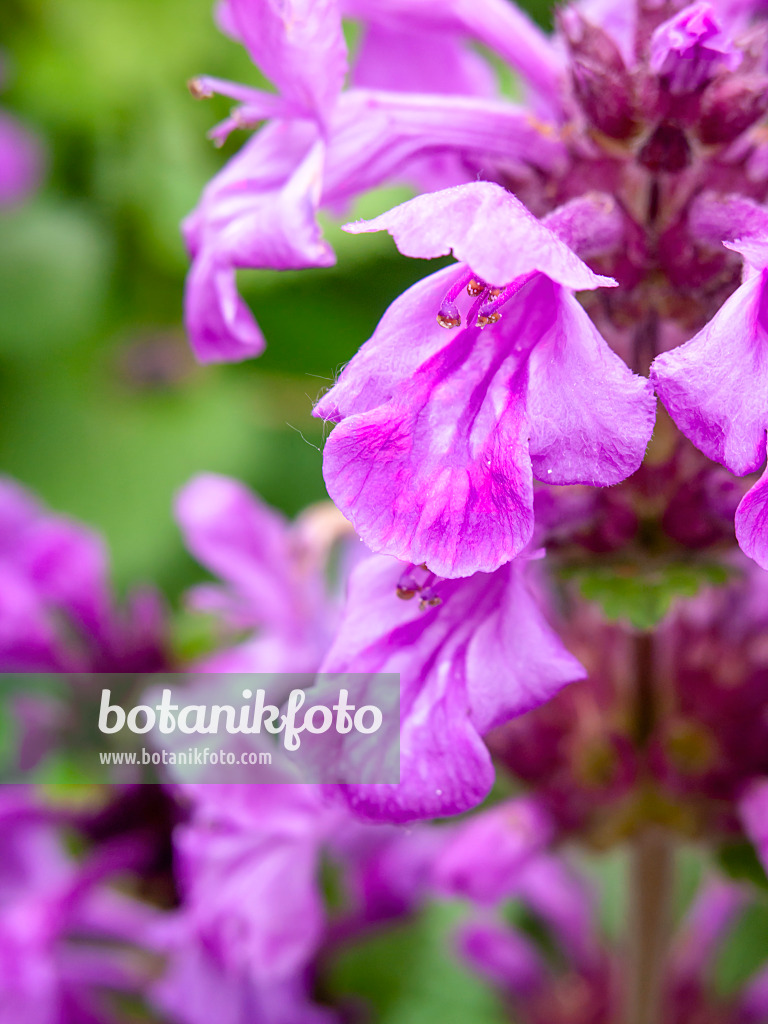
(253, 921)
(247, 869)
(56, 610)
(253, 917)
(21, 159)
(64, 936)
(276, 587)
(196, 989)
(689, 50)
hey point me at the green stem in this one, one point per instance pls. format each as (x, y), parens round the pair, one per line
(651, 876)
(651, 883)
(645, 713)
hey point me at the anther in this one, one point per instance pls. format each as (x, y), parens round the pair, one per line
(198, 89)
(408, 586)
(475, 288)
(485, 311)
(449, 316)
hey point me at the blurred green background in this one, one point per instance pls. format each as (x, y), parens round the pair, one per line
(104, 411)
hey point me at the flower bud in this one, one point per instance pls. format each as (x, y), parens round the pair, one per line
(605, 97)
(667, 149)
(589, 43)
(730, 106)
(601, 83)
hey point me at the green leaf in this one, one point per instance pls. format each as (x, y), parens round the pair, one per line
(744, 950)
(739, 861)
(409, 974)
(643, 594)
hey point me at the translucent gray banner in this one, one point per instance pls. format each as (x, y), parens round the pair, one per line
(95, 728)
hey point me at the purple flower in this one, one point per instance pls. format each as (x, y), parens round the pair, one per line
(753, 1005)
(712, 385)
(471, 653)
(715, 389)
(500, 26)
(690, 49)
(196, 989)
(401, 56)
(63, 934)
(510, 960)
(248, 873)
(500, 858)
(253, 917)
(487, 861)
(498, 855)
(507, 958)
(259, 211)
(486, 855)
(751, 521)
(298, 45)
(57, 614)
(21, 159)
(326, 146)
(439, 438)
(503, 853)
(56, 610)
(274, 575)
(253, 925)
(715, 909)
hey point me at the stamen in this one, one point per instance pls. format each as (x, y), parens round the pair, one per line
(221, 132)
(408, 586)
(488, 313)
(241, 117)
(477, 286)
(429, 599)
(477, 305)
(448, 315)
(488, 300)
(199, 88)
(205, 86)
